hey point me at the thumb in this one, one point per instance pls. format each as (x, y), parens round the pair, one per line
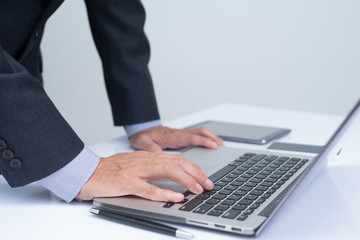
(153, 147)
(144, 142)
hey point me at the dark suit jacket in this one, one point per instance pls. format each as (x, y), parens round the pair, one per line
(35, 140)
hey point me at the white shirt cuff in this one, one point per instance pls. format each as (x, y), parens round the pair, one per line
(67, 182)
(135, 128)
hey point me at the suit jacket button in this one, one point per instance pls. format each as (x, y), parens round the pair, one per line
(15, 163)
(3, 145)
(8, 154)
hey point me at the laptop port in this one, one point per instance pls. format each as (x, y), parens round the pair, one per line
(238, 230)
(219, 226)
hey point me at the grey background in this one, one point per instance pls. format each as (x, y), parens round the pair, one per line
(302, 55)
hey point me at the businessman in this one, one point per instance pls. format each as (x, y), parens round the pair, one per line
(37, 144)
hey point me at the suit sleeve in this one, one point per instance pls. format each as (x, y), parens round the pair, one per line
(117, 28)
(35, 140)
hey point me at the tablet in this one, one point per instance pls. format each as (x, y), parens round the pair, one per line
(243, 132)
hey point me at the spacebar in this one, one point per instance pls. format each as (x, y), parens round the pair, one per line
(222, 172)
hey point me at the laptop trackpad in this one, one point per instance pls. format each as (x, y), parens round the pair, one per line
(209, 160)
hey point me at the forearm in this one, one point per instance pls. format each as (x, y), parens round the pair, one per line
(31, 126)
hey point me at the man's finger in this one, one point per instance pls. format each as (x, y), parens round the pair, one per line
(206, 132)
(152, 192)
(198, 140)
(181, 170)
(146, 143)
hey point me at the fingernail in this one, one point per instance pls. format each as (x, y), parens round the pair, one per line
(199, 188)
(209, 184)
(177, 197)
(214, 144)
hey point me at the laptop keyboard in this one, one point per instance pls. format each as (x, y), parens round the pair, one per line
(242, 186)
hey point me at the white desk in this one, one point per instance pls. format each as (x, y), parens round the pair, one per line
(316, 210)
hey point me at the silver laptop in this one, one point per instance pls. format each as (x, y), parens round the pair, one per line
(250, 186)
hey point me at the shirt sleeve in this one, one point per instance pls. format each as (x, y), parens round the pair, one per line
(135, 128)
(67, 182)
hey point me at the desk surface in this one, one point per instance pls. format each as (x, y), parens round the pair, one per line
(318, 209)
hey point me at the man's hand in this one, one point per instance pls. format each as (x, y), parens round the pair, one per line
(158, 138)
(129, 174)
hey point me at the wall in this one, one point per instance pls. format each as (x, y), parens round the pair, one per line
(302, 55)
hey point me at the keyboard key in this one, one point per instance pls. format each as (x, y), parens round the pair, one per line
(252, 172)
(271, 157)
(226, 179)
(225, 192)
(261, 188)
(231, 214)
(250, 184)
(249, 211)
(261, 200)
(203, 208)
(221, 184)
(257, 168)
(222, 172)
(245, 188)
(235, 164)
(202, 196)
(275, 176)
(183, 201)
(239, 207)
(209, 192)
(242, 217)
(228, 202)
(236, 184)
(191, 205)
(261, 176)
(245, 201)
(241, 179)
(212, 201)
(187, 193)
(259, 157)
(266, 195)
(240, 192)
(237, 172)
(215, 213)
(256, 192)
(249, 154)
(219, 196)
(231, 175)
(280, 172)
(242, 169)
(169, 205)
(248, 175)
(234, 197)
(266, 184)
(271, 191)
(231, 187)
(270, 179)
(222, 207)
(255, 206)
(256, 180)
(283, 159)
(276, 186)
(217, 187)
(251, 197)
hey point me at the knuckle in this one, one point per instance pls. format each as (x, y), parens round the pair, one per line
(200, 175)
(175, 162)
(151, 190)
(204, 129)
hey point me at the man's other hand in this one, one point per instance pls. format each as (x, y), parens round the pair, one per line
(130, 173)
(158, 138)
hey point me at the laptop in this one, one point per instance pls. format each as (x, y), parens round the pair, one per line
(249, 187)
